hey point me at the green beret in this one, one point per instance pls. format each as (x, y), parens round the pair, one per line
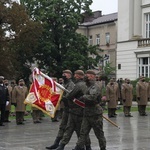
(90, 72)
(67, 71)
(80, 72)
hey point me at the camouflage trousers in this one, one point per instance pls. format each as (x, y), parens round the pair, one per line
(74, 124)
(95, 122)
(63, 124)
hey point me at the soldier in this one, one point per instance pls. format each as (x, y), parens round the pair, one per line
(18, 96)
(75, 111)
(93, 112)
(127, 96)
(8, 107)
(36, 115)
(142, 95)
(4, 99)
(69, 85)
(112, 97)
(60, 81)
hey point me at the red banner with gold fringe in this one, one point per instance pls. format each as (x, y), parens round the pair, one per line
(44, 94)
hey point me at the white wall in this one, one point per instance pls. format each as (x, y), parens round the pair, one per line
(127, 58)
(125, 20)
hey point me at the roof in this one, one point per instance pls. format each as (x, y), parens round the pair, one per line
(102, 19)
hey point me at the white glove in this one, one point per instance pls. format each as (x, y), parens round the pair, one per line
(7, 103)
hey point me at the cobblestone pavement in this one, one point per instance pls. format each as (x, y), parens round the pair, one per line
(134, 134)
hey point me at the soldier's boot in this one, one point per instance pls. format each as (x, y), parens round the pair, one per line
(78, 148)
(61, 147)
(55, 145)
(88, 147)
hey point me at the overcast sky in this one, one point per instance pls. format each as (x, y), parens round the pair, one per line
(106, 6)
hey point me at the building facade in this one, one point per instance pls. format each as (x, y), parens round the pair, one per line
(101, 30)
(133, 43)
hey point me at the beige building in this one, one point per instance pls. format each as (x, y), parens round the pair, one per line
(101, 30)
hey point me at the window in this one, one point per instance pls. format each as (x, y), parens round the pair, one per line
(106, 59)
(147, 25)
(97, 39)
(144, 67)
(107, 38)
(90, 40)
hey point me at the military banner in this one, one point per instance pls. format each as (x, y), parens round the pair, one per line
(45, 94)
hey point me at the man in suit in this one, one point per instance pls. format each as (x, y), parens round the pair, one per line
(4, 99)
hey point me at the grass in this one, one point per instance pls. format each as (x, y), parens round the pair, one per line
(119, 110)
(133, 109)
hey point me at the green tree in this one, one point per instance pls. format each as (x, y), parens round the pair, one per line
(18, 39)
(61, 47)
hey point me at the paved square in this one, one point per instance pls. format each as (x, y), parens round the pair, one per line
(134, 134)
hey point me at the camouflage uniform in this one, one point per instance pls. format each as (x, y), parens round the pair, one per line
(69, 85)
(92, 117)
(75, 113)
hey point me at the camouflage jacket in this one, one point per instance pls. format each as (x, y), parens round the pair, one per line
(69, 85)
(92, 98)
(77, 92)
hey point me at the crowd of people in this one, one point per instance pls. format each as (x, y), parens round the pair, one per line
(87, 88)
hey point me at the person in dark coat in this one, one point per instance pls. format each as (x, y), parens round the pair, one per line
(8, 107)
(4, 99)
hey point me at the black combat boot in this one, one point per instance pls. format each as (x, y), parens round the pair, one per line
(88, 147)
(78, 148)
(55, 145)
(60, 147)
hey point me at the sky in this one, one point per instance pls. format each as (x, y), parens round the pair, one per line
(106, 6)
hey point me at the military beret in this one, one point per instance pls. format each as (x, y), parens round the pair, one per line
(90, 72)
(80, 72)
(1, 77)
(67, 71)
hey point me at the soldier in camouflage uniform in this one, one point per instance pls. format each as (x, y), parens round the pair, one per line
(75, 112)
(92, 113)
(69, 85)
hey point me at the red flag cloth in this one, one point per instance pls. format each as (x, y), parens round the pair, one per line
(44, 94)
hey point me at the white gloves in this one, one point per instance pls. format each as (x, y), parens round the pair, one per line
(7, 103)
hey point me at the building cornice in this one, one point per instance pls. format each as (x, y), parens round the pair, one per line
(145, 6)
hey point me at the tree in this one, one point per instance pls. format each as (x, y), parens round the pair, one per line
(61, 47)
(18, 39)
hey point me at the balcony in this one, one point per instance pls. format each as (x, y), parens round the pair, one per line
(144, 42)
